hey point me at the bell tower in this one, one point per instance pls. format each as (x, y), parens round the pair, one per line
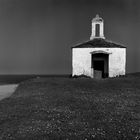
(97, 28)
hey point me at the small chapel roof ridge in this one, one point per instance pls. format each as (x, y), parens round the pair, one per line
(99, 43)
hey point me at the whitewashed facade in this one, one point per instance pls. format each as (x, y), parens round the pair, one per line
(98, 58)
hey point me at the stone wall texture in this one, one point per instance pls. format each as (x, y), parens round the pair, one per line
(81, 61)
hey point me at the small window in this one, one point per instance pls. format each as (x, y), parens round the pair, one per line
(97, 31)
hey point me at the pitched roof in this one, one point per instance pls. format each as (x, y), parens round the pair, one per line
(99, 43)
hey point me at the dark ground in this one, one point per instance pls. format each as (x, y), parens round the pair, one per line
(73, 108)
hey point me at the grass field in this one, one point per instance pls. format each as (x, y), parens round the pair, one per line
(57, 108)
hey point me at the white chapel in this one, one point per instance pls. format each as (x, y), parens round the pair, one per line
(98, 57)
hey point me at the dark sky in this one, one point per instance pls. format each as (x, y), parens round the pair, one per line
(36, 35)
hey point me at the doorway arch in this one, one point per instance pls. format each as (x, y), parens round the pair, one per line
(100, 64)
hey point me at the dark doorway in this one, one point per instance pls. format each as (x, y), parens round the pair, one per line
(100, 65)
(97, 32)
(98, 69)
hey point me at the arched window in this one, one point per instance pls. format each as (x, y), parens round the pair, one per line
(97, 30)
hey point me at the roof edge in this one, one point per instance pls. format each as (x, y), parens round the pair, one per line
(118, 45)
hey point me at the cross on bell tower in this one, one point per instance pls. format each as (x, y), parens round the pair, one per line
(97, 28)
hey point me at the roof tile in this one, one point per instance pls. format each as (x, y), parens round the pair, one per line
(99, 42)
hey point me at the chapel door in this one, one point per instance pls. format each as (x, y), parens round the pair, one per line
(98, 69)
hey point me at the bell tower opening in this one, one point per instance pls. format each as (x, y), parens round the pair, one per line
(97, 30)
